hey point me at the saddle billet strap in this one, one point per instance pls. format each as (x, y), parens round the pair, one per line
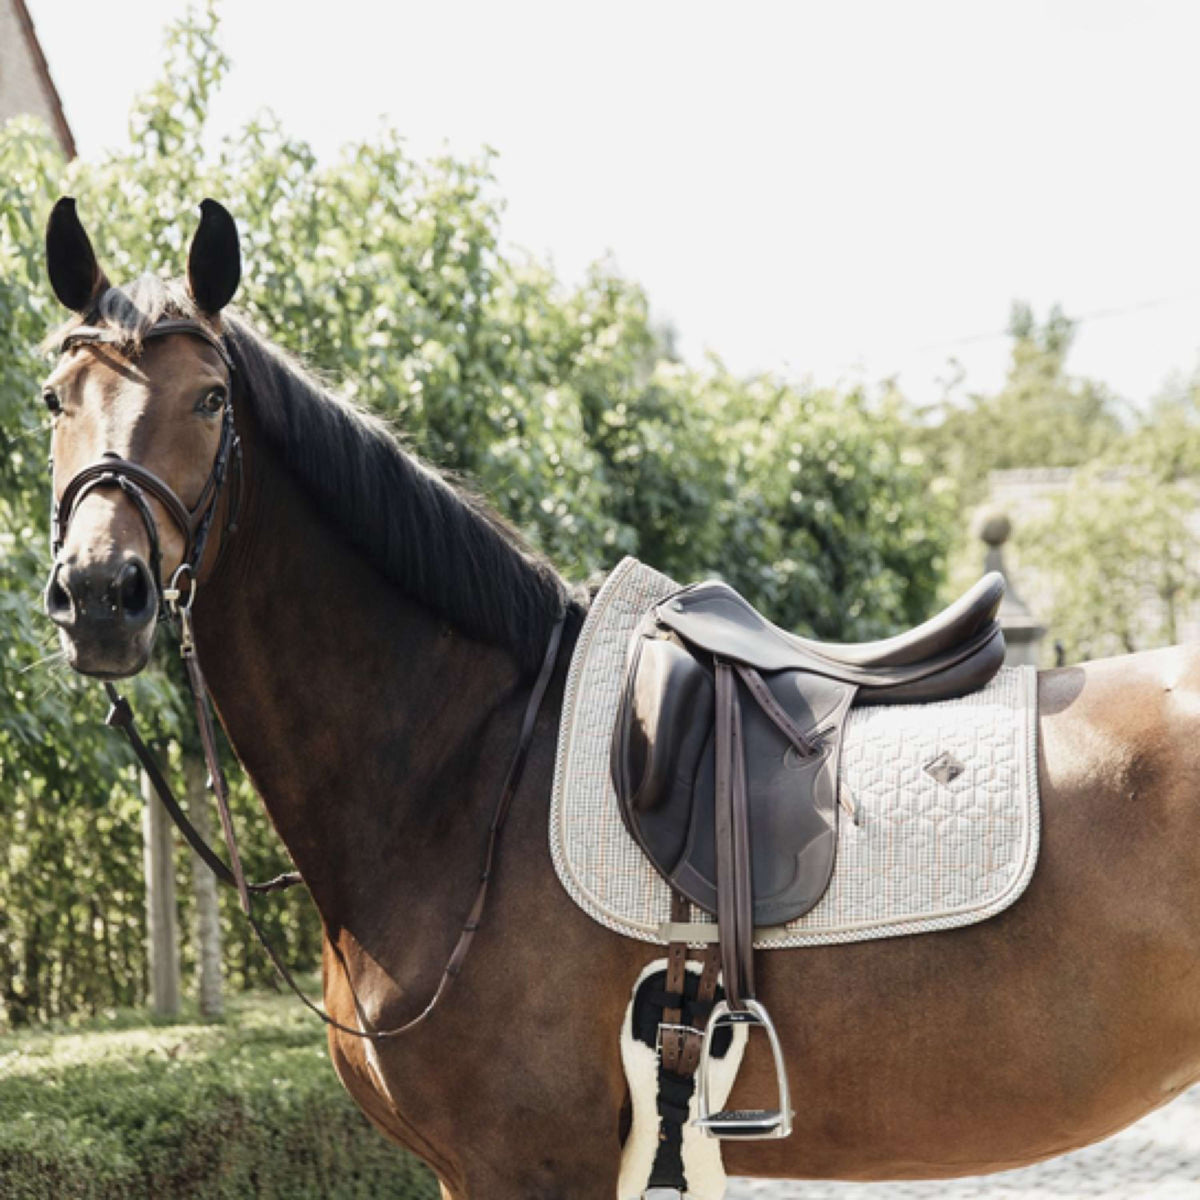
(735, 885)
(706, 993)
(672, 1035)
(679, 1044)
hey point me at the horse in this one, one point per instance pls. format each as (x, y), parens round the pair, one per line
(370, 633)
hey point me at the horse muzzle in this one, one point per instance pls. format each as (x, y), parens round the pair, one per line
(106, 612)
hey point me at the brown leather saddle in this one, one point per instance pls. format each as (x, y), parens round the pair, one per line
(727, 741)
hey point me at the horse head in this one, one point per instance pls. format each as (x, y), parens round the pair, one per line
(143, 442)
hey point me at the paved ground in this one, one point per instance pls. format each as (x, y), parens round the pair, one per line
(1156, 1159)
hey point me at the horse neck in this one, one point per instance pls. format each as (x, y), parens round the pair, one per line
(364, 722)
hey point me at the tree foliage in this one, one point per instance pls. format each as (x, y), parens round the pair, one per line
(1043, 416)
(1109, 554)
(1119, 550)
(564, 404)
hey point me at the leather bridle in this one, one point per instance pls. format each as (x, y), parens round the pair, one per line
(135, 481)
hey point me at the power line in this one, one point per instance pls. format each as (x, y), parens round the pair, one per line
(1099, 314)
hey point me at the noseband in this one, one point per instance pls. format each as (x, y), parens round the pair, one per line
(111, 470)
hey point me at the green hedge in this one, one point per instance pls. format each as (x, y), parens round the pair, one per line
(249, 1108)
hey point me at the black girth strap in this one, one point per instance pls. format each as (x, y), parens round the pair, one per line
(687, 1004)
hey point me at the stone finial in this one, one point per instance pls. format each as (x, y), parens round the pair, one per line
(995, 528)
(1022, 632)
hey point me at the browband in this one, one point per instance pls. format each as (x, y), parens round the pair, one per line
(85, 335)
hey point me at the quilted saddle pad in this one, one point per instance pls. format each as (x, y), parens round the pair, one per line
(939, 823)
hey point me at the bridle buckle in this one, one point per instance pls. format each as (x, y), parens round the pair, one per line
(180, 608)
(173, 593)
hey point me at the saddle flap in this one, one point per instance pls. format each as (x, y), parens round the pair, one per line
(664, 723)
(663, 770)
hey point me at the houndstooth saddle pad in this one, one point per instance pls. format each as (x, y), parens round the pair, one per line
(939, 821)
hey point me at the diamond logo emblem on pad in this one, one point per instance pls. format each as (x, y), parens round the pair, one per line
(945, 769)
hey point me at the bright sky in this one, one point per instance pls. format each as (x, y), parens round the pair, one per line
(845, 189)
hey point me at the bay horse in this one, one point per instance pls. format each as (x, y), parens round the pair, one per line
(370, 633)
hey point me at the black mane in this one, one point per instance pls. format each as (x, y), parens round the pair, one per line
(442, 545)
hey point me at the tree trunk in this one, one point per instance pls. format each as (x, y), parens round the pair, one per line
(204, 886)
(161, 920)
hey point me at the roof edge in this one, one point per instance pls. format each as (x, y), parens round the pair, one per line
(65, 136)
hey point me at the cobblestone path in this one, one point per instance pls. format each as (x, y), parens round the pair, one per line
(1156, 1159)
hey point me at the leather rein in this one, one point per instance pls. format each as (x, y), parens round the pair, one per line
(175, 605)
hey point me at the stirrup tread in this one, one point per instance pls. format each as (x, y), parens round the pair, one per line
(743, 1122)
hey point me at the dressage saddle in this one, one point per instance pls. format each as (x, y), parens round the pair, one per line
(725, 758)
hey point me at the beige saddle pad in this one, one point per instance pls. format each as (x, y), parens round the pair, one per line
(939, 820)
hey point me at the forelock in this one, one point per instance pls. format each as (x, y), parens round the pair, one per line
(131, 311)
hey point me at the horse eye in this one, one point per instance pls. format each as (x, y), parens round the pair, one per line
(51, 401)
(213, 402)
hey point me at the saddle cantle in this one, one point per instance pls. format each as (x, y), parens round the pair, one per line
(726, 746)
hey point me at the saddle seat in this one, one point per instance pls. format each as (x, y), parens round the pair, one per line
(783, 703)
(949, 655)
(955, 625)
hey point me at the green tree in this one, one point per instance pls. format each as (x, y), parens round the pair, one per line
(854, 529)
(1119, 552)
(1042, 417)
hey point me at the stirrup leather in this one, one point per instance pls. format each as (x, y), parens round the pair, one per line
(743, 1124)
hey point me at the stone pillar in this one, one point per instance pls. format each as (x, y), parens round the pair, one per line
(161, 921)
(1023, 632)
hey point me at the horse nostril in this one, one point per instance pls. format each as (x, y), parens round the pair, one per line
(133, 590)
(58, 599)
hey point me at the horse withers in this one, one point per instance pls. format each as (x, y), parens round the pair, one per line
(371, 636)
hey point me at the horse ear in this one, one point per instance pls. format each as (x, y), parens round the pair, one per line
(214, 261)
(70, 260)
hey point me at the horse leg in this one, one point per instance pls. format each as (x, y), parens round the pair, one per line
(531, 1155)
(538, 1181)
